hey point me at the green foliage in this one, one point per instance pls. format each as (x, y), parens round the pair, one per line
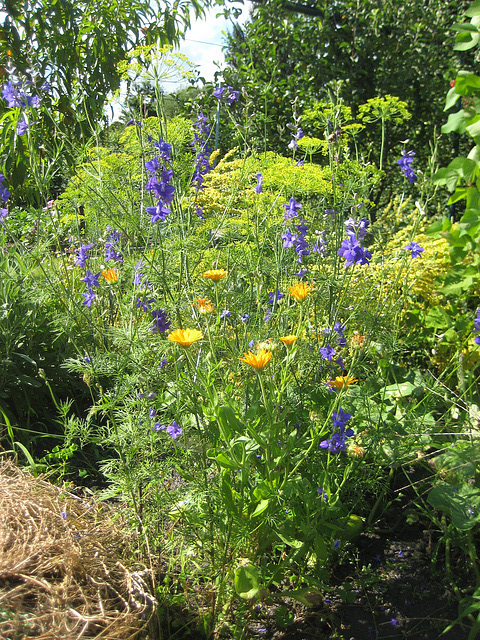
(283, 57)
(246, 397)
(29, 347)
(77, 46)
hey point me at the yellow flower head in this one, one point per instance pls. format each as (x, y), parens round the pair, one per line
(288, 340)
(259, 361)
(215, 274)
(342, 382)
(300, 290)
(110, 275)
(185, 337)
(204, 305)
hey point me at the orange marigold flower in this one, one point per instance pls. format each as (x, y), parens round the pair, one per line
(259, 361)
(215, 274)
(204, 305)
(110, 275)
(357, 340)
(288, 340)
(342, 382)
(185, 337)
(300, 290)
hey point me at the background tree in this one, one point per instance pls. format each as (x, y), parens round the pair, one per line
(76, 45)
(67, 52)
(293, 51)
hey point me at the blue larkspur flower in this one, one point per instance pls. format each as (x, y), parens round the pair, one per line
(91, 279)
(289, 239)
(174, 430)
(89, 298)
(233, 96)
(275, 296)
(144, 303)
(111, 244)
(165, 149)
(22, 127)
(358, 229)
(301, 247)
(476, 321)
(327, 352)
(405, 163)
(161, 321)
(415, 249)
(353, 252)
(15, 97)
(202, 149)
(301, 227)
(218, 92)
(4, 192)
(152, 165)
(337, 442)
(291, 209)
(82, 256)
(162, 190)
(158, 212)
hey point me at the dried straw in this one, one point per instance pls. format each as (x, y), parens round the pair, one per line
(61, 570)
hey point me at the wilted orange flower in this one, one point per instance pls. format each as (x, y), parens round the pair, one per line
(110, 275)
(215, 274)
(185, 337)
(288, 340)
(357, 340)
(267, 344)
(342, 382)
(300, 290)
(204, 305)
(259, 361)
(356, 451)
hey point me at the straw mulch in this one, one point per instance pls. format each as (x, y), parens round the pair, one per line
(61, 570)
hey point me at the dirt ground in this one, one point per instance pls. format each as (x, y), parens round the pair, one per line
(391, 589)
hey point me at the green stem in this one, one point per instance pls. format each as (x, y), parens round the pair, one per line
(383, 143)
(379, 499)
